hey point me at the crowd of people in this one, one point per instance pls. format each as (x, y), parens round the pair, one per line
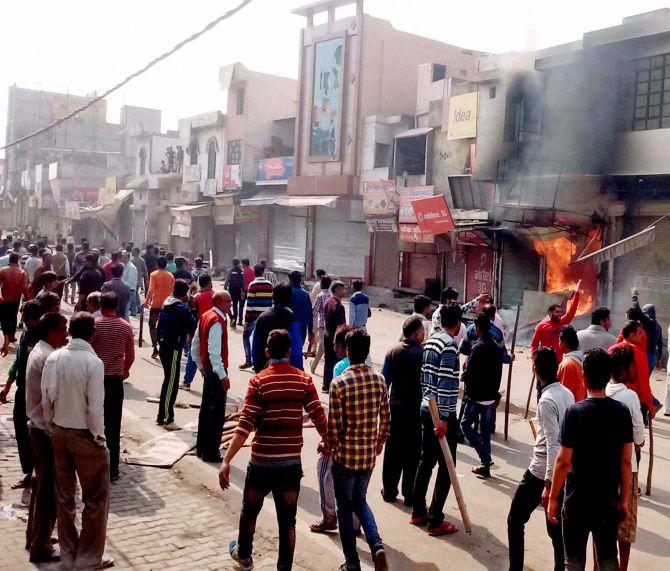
(593, 399)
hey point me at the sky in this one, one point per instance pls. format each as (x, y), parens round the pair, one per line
(79, 46)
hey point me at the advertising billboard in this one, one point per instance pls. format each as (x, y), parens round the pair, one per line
(407, 194)
(380, 206)
(326, 119)
(433, 214)
(274, 171)
(412, 233)
(462, 117)
(231, 177)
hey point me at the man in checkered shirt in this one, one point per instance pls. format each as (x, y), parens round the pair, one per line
(358, 425)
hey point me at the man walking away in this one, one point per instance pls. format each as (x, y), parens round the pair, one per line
(200, 303)
(235, 287)
(113, 343)
(273, 408)
(122, 291)
(89, 280)
(334, 316)
(61, 266)
(358, 424)
(181, 272)
(623, 367)
(316, 288)
(199, 270)
(270, 276)
(279, 316)
(547, 331)
(482, 378)
(248, 273)
(423, 309)
(593, 465)
(175, 323)
(439, 381)
(13, 284)
(161, 283)
(72, 400)
(597, 335)
(320, 318)
(131, 278)
(52, 331)
(402, 371)
(259, 299)
(301, 306)
(32, 311)
(210, 352)
(570, 372)
(359, 306)
(143, 274)
(534, 487)
(150, 259)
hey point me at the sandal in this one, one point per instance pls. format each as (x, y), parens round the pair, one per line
(323, 526)
(21, 484)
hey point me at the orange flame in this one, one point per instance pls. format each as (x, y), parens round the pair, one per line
(561, 277)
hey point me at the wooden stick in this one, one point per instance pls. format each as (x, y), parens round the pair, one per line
(139, 339)
(651, 457)
(533, 429)
(511, 365)
(451, 468)
(530, 393)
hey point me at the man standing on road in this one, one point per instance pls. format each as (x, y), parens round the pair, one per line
(118, 287)
(175, 323)
(248, 273)
(269, 275)
(359, 306)
(259, 299)
(358, 424)
(423, 310)
(72, 400)
(61, 266)
(316, 288)
(199, 270)
(547, 331)
(273, 408)
(439, 380)
(623, 368)
(235, 287)
(301, 305)
(320, 318)
(52, 331)
(143, 274)
(334, 317)
(594, 467)
(534, 487)
(113, 343)
(161, 283)
(210, 352)
(89, 280)
(597, 335)
(150, 259)
(402, 371)
(131, 278)
(13, 284)
(200, 303)
(570, 372)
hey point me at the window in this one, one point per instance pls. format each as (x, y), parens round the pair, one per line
(193, 152)
(645, 94)
(240, 101)
(382, 155)
(492, 92)
(439, 72)
(410, 158)
(523, 119)
(143, 161)
(212, 150)
(234, 152)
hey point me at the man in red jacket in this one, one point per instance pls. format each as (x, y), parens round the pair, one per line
(549, 329)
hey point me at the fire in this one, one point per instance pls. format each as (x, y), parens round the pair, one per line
(561, 277)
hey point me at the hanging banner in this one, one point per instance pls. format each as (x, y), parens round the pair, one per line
(433, 215)
(231, 177)
(407, 194)
(380, 206)
(412, 233)
(274, 171)
(181, 224)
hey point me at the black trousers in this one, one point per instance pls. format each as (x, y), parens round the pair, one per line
(20, 419)
(603, 524)
(113, 410)
(329, 362)
(211, 418)
(237, 309)
(9, 311)
(171, 360)
(402, 452)
(431, 454)
(527, 497)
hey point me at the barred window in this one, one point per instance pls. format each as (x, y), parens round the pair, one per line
(234, 152)
(645, 94)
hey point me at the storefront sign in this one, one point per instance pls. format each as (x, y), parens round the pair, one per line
(181, 224)
(380, 206)
(231, 177)
(247, 214)
(381, 224)
(433, 215)
(407, 194)
(274, 171)
(462, 117)
(479, 278)
(412, 233)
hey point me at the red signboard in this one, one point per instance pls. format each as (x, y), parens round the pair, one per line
(433, 215)
(479, 278)
(412, 233)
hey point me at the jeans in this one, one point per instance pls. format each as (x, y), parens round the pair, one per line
(135, 302)
(479, 440)
(246, 340)
(527, 497)
(211, 418)
(191, 368)
(401, 455)
(603, 525)
(324, 472)
(431, 454)
(113, 410)
(20, 418)
(129, 306)
(238, 310)
(330, 360)
(351, 487)
(284, 483)
(171, 360)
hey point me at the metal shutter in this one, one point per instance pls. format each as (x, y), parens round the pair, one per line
(520, 270)
(288, 238)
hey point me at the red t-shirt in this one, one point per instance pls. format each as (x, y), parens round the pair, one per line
(248, 277)
(641, 382)
(203, 301)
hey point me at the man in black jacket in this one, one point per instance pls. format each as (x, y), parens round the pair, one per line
(402, 371)
(235, 287)
(176, 322)
(482, 381)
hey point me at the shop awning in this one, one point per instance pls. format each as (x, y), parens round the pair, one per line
(302, 201)
(414, 133)
(123, 195)
(194, 210)
(141, 183)
(264, 198)
(621, 247)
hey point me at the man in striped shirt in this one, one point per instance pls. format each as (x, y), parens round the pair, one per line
(259, 299)
(273, 407)
(439, 381)
(113, 344)
(320, 318)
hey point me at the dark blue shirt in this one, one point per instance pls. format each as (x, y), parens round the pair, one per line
(301, 305)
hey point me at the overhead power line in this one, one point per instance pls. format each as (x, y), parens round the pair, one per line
(132, 76)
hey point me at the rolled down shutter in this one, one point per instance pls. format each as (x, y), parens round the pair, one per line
(520, 270)
(340, 244)
(288, 238)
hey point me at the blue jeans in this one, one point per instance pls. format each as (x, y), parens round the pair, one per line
(134, 303)
(479, 440)
(246, 340)
(191, 368)
(351, 487)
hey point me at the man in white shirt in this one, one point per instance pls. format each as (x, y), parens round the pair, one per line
(623, 370)
(73, 396)
(52, 331)
(269, 275)
(130, 277)
(209, 350)
(450, 297)
(33, 262)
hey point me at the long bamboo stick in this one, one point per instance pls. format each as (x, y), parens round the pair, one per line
(511, 365)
